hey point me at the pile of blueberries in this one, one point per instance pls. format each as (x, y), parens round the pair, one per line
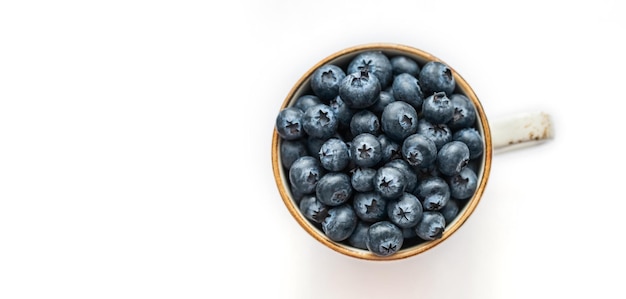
(381, 153)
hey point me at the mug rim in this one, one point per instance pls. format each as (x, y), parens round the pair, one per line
(421, 56)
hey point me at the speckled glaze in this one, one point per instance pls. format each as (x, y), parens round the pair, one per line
(342, 58)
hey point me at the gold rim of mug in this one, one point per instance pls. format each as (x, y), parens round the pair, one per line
(280, 176)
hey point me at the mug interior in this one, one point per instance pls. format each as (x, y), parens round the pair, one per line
(342, 59)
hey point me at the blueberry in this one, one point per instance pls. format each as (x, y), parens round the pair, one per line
(342, 111)
(438, 133)
(437, 108)
(472, 139)
(304, 174)
(389, 182)
(431, 226)
(403, 64)
(313, 209)
(384, 98)
(407, 171)
(291, 150)
(419, 151)
(314, 145)
(334, 189)
(463, 185)
(363, 179)
(334, 154)
(406, 88)
(358, 238)
(450, 211)
(325, 81)
(366, 150)
(306, 101)
(369, 206)
(340, 223)
(434, 193)
(408, 233)
(464, 114)
(405, 211)
(364, 121)
(399, 120)
(384, 238)
(436, 76)
(320, 121)
(390, 148)
(375, 62)
(359, 90)
(452, 158)
(289, 123)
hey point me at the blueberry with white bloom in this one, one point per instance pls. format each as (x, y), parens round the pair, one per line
(464, 115)
(452, 158)
(375, 62)
(370, 206)
(365, 150)
(419, 151)
(291, 150)
(472, 139)
(363, 179)
(334, 189)
(334, 154)
(340, 223)
(431, 226)
(406, 211)
(406, 88)
(304, 174)
(389, 182)
(384, 238)
(320, 121)
(434, 193)
(364, 121)
(437, 108)
(306, 101)
(325, 81)
(313, 209)
(289, 123)
(359, 90)
(399, 120)
(438, 133)
(403, 64)
(463, 185)
(435, 77)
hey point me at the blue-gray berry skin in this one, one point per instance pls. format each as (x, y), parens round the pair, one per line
(438, 133)
(312, 209)
(431, 226)
(464, 115)
(375, 62)
(399, 120)
(403, 64)
(366, 150)
(406, 88)
(325, 81)
(437, 108)
(434, 193)
(334, 188)
(452, 158)
(408, 233)
(419, 151)
(384, 98)
(320, 121)
(408, 172)
(435, 77)
(406, 211)
(450, 211)
(384, 238)
(340, 223)
(289, 123)
(306, 101)
(314, 145)
(342, 112)
(391, 149)
(463, 185)
(363, 179)
(472, 139)
(389, 182)
(291, 150)
(304, 174)
(334, 154)
(358, 238)
(364, 121)
(370, 206)
(359, 90)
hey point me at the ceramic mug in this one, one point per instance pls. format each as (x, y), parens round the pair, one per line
(502, 134)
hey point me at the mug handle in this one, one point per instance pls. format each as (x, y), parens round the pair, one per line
(520, 130)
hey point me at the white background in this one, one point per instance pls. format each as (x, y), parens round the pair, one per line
(135, 149)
